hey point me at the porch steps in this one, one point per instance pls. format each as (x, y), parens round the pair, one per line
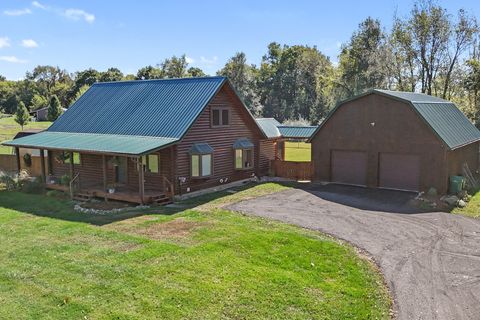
(161, 200)
(82, 197)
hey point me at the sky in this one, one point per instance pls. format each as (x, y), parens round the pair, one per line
(76, 35)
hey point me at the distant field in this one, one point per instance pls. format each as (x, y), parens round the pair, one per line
(9, 128)
(297, 151)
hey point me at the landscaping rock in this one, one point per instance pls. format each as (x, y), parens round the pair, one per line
(461, 204)
(432, 192)
(450, 200)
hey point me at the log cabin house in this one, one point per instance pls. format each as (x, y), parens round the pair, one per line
(146, 141)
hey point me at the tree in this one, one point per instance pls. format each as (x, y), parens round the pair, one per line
(362, 61)
(292, 82)
(54, 109)
(112, 74)
(82, 78)
(195, 72)
(21, 115)
(38, 102)
(2, 78)
(149, 72)
(80, 92)
(175, 67)
(242, 76)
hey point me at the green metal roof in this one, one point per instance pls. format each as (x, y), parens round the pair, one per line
(129, 117)
(442, 116)
(152, 108)
(242, 143)
(269, 126)
(89, 142)
(201, 148)
(299, 132)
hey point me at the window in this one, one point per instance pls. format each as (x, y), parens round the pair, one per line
(201, 160)
(243, 154)
(243, 158)
(150, 163)
(220, 117)
(66, 157)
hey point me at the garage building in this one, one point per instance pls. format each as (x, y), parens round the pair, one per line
(395, 140)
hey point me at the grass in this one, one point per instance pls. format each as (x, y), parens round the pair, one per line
(197, 260)
(297, 151)
(472, 209)
(9, 128)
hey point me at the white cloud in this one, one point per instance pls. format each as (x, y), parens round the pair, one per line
(29, 43)
(208, 61)
(189, 60)
(17, 12)
(37, 4)
(78, 14)
(12, 59)
(4, 42)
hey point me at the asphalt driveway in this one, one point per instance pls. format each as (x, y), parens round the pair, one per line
(431, 261)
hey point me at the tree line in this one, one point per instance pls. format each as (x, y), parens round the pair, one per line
(429, 50)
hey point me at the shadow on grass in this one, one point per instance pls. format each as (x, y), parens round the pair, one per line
(52, 207)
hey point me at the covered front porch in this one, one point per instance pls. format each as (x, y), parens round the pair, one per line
(139, 176)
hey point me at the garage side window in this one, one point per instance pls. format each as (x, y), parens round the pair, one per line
(66, 157)
(243, 150)
(201, 160)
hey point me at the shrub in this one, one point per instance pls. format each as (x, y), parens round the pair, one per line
(56, 194)
(9, 181)
(65, 180)
(33, 186)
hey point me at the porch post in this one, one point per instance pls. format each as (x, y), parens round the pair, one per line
(173, 168)
(141, 182)
(104, 165)
(42, 164)
(72, 168)
(49, 162)
(17, 158)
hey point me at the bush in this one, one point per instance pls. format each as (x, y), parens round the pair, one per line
(33, 186)
(65, 180)
(56, 194)
(9, 181)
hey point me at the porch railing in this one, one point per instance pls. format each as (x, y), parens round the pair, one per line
(74, 185)
(167, 187)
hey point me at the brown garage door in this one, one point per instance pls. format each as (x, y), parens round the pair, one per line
(349, 167)
(399, 171)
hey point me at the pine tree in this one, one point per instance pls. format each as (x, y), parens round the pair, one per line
(21, 115)
(54, 109)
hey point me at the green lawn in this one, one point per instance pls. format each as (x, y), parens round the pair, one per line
(472, 209)
(9, 128)
(297, 151)
(198, 262)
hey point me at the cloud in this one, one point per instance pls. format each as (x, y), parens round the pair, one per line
(4, 42)
(189, 60)
(12, 59)
(78, 14)
(37, 4)
(29, 43)
(17, 12)
(70, 13)
(208, 61)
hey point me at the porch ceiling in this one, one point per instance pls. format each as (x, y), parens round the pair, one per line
(88, 142)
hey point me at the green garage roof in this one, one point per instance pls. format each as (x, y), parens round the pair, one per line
(442, 116)
(88, 142)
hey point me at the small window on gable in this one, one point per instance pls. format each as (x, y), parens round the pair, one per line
(201, 160)
(243, 154)
(220, 117)
(151, 163)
